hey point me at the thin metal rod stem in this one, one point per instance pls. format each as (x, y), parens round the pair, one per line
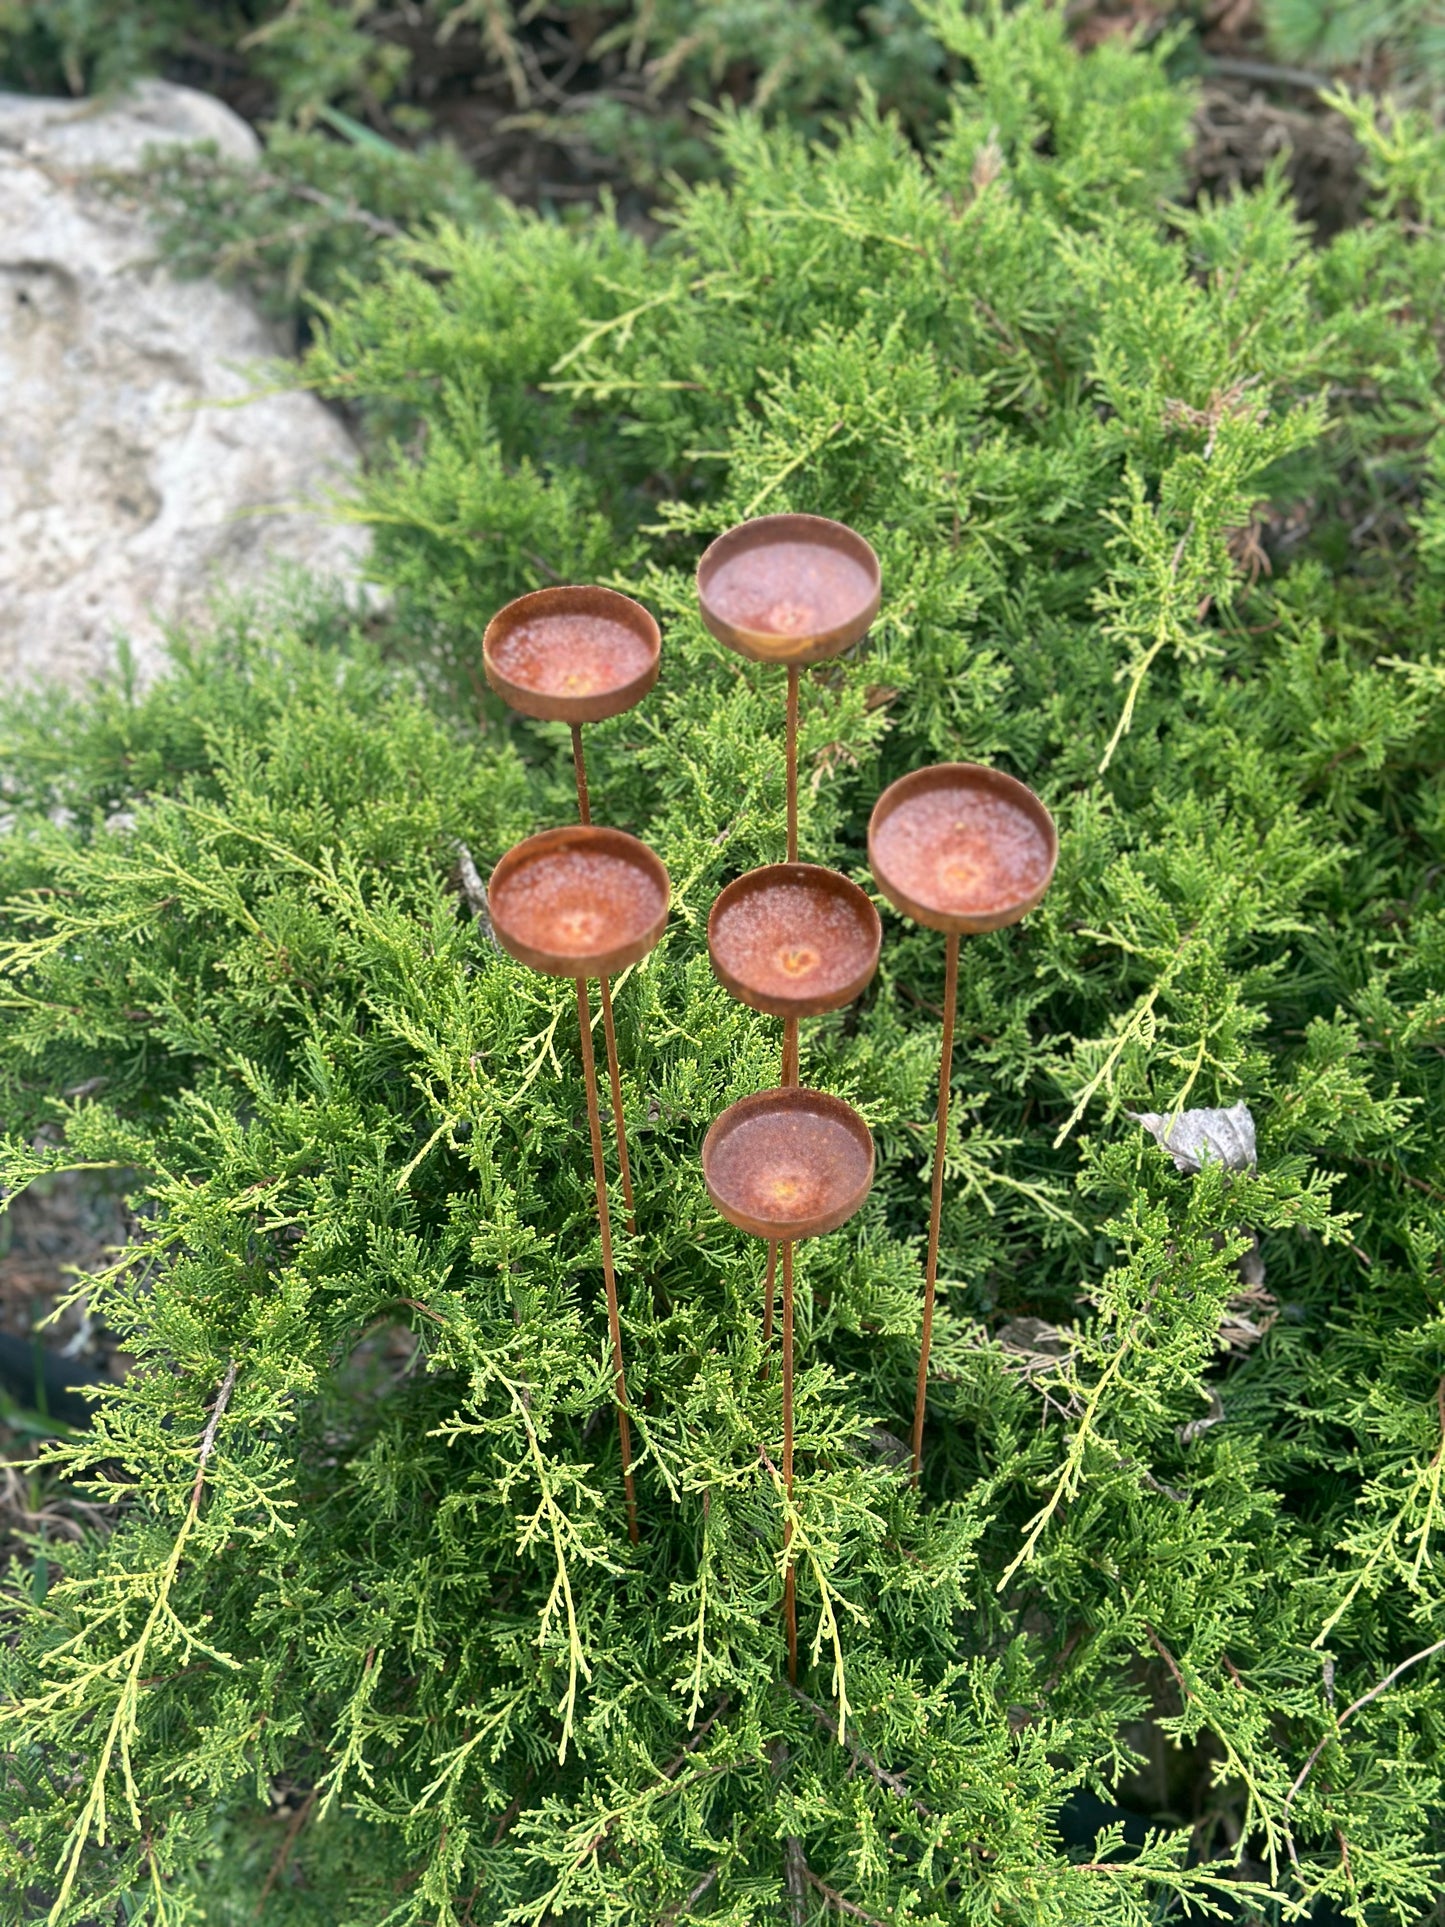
(930, 1276)
(792, 762)
(788, 1076)
(790, 1599)
(604, 1219)
(614, 1076)
(584, 811)
(768, 1288)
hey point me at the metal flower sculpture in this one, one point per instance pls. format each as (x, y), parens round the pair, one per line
(783, 1165)
(962, 849)
(582, 903)
(577, 655)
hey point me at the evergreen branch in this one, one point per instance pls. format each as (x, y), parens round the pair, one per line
(407, 1172)
(855, 230)
(835, 1899)
(805, 454)
(596, 1830)
(1067, 1482)
(596, 331)
(1257, 1802)
(1429, 1476)
(123, 1727)
(800, 1539)
(699, 1624)
(894, 1782)
(562, 1534)
(1138, 1024)
(1140, 672)
(1432, 1503)
(1223, 407)
(1364, 1700)
(681, 1908)
(1038, 1194)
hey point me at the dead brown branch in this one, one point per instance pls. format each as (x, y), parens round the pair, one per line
(894, 1782)
(835, 1899)
(1364, 1700)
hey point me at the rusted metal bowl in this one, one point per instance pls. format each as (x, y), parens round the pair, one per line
(572, 655)
(794, 939)
(789, 588)
(579, 902)
(788, 1164)
(962, 848)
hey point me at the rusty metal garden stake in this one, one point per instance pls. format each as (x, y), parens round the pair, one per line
(582, 903)
(578, 654)
(792, 940)
(962, 849)
(789, 589)
(788, 1164)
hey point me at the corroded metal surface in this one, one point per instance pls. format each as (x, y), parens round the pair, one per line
(579, 902)
(788, 1163)
(794, 939)
(572, 655)
(789, 588)
(962, 848)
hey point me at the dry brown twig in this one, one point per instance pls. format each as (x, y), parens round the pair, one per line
(278, 1865)
(1364, 1700)
(894, 1782)
(835, 1899)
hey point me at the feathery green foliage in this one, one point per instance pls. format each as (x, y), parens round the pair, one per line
(1156, 496)
(614, 81)
(1403, 40)
(310, 220)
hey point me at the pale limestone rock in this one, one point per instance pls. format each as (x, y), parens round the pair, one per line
(127, 498)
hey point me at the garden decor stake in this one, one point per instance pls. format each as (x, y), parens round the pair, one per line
(962, 849)
(583, 903)
(793, 940)
(577, 655)
(783, 1165)
(789, 589)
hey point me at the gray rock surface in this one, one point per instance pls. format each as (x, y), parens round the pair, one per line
(127, 496)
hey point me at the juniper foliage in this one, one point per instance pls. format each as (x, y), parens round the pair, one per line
(1156, 492)
(612, 83)
(309, 220)
(1399, 41)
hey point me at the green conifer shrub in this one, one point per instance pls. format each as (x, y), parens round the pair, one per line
(306, 223)
(1401, 42)
(1156, 493)
(614, 82)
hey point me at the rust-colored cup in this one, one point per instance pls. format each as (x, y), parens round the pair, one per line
(794, 939)
(579, 902)
(788, 1164)
(573, 654)
(789, 588)
(962, 848)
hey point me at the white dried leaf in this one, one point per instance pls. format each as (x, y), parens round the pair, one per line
(1196, 1428)
(1194, 1138)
